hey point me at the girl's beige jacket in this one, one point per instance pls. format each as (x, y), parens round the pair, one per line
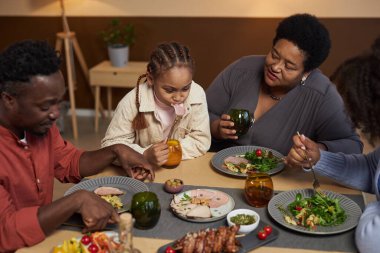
(193, 130)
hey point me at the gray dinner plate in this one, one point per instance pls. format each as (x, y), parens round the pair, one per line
(128, 185)
(283, 199)
(217, 160)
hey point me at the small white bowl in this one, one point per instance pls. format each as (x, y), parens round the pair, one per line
(244, 229)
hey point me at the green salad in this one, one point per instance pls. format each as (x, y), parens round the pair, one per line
(258, 160)
(316, 210)
(262, 160)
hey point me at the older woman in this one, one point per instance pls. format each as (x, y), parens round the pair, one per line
(358, 80)
(285, 92)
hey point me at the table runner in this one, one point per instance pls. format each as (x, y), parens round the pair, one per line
(172, 227)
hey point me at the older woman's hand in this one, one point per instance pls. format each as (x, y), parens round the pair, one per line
(223, 128)
(304, 152)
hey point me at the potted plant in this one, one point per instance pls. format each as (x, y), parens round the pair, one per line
(118, 38)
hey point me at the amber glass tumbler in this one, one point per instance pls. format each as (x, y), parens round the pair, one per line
(175, 153)
(258, 189)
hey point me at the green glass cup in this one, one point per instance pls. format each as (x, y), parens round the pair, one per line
(242, 120)
(146, 209)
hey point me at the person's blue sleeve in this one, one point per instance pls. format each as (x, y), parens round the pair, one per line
(368, 230)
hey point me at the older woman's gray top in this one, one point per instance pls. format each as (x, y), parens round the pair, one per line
(314, 109)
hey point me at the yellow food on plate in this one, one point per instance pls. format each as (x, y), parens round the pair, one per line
(70, 246)
(101, 242)
(113, 200)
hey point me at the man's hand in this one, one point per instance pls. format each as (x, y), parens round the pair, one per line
(134, 163)
(223, 128)
(96, 212)
(157, 154)
(303, 153)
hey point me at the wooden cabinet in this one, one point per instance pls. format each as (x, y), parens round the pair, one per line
(105, 75)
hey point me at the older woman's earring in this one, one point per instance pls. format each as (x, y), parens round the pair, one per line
(303, 80)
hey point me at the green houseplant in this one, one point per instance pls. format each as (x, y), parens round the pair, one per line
(118, 38)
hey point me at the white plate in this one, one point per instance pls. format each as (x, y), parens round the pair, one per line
(218, 159)
(128, 185)
(216, 213)
(352, 210)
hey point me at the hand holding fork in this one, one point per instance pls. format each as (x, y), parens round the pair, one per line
(316, 184)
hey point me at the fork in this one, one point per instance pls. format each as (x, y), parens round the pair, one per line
(316, 184)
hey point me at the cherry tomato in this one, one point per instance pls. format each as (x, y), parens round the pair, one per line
(268, 230)
(170, 250)
(298, 208)
(259, 153)
(86, 240)
(262, 235)
(93, 248)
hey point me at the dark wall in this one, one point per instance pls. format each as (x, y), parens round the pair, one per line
(214, 42)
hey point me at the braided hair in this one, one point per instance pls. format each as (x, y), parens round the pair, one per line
(23, 60)
(358, 81)
(162, 59)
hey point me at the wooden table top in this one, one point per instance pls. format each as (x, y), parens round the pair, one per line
(198, 172)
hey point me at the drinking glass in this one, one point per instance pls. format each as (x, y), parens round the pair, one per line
(242, 120)
(145, 209)
(258, 189)
(175, 153)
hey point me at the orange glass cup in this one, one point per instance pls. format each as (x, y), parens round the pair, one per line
(175, 153)
(258, 189)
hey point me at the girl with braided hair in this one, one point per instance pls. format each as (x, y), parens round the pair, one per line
(169, 104)
(358, 80)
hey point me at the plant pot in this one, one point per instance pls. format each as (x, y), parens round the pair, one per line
(118, 54)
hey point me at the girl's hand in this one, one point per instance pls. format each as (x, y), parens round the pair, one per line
(304, 152)
(157, 154)
(224, 127)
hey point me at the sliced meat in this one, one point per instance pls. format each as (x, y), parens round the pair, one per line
(189, 243)
(210, 240)
(182, 209)
(235, 160)
(107, 190)
(202, 194)
(199, 212)
(200, 242)
(218, 200)
(230, 244)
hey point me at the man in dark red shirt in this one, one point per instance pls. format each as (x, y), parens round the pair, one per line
(32, 152)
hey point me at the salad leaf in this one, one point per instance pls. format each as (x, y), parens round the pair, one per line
(317, 210)
(262, 161)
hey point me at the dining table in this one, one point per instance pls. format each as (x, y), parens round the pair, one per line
(199, 172)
